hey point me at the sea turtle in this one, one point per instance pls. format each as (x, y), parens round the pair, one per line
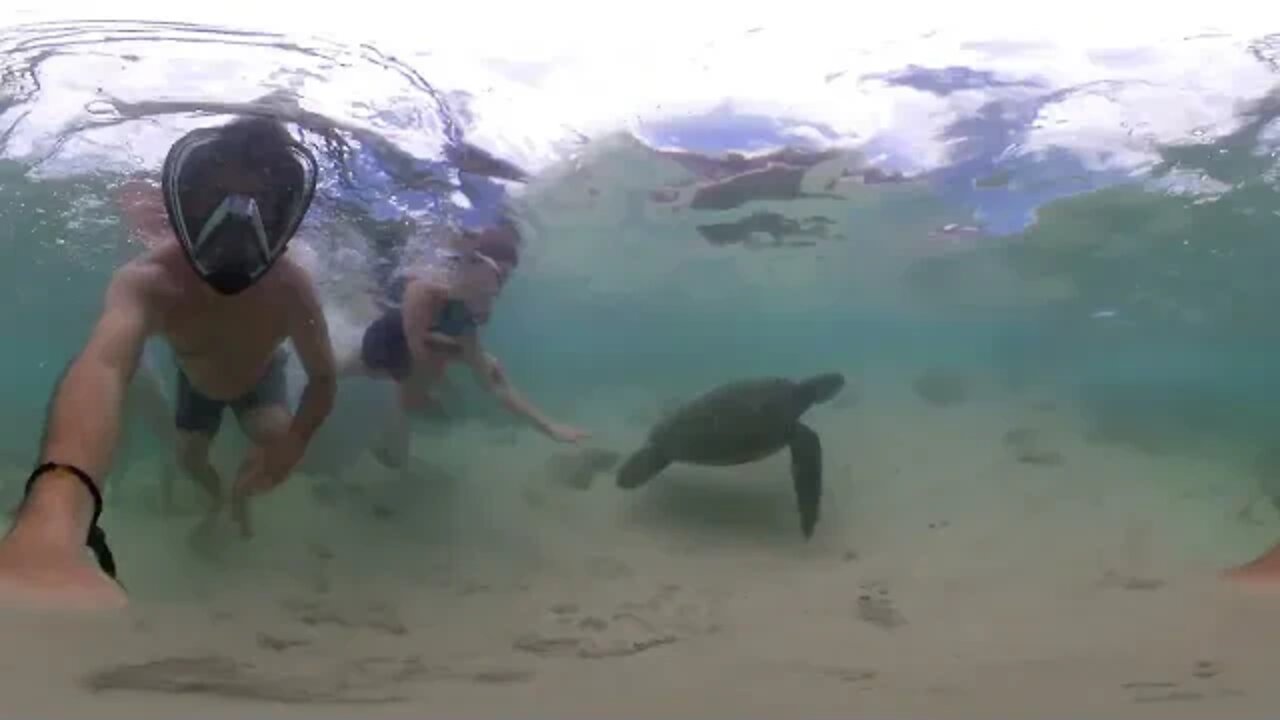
(741, 422)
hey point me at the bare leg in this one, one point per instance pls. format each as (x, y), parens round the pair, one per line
(392, 452)
(193, 458)
(264, 425)
(168, 476)
(148, 400)
(350, 363)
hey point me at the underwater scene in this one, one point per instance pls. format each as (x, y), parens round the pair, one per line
(473, 365)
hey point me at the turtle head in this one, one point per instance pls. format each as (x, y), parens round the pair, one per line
(821, 388)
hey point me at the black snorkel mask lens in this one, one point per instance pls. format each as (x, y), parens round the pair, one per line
(232, 237)
(232, 249)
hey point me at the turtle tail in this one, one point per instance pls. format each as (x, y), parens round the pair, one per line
(821, 388)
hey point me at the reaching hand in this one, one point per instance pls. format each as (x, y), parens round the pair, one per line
(423, 402)
(266, 466)
(567, 434)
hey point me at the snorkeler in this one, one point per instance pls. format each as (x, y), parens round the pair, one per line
(225, 300)
(431, 320)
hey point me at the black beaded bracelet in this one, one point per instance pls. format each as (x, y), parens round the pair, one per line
(97, 540)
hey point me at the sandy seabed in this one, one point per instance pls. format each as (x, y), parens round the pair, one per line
(980, 559)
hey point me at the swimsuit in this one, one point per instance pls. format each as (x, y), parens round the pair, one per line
(385, 347)
(196, 412)
(382, 176)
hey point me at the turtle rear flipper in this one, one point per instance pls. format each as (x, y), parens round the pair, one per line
(641, 467)
(806, 472)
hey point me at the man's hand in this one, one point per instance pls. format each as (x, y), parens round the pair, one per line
(43, 560)
(41, 576)
(266, 466)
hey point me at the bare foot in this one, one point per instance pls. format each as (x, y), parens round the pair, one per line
(215, 534)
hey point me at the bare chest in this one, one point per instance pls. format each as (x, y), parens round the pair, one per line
(213, 330)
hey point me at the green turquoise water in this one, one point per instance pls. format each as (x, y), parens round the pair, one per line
(1134, 306)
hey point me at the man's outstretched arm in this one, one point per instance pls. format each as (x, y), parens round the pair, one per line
(83, 423)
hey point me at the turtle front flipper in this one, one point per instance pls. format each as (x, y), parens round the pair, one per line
(641, 467)
(806, 472)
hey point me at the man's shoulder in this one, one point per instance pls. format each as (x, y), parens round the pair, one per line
(153, 265)
(290, 286)
(152, 277)
(292, 277)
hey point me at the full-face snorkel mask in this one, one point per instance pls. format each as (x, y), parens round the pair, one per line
(235, 196)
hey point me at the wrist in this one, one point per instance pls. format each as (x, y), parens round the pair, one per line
(57, 510)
